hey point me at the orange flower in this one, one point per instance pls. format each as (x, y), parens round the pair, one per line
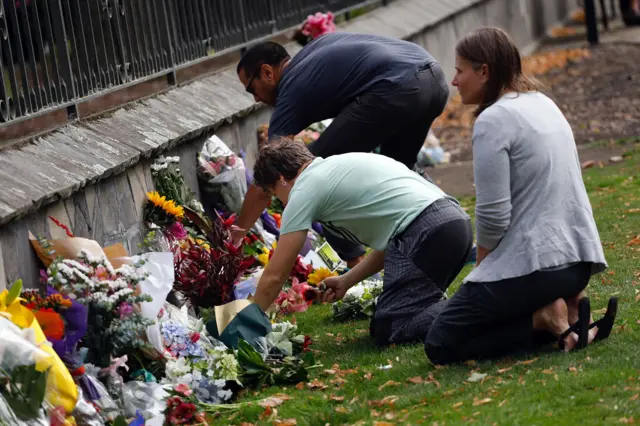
(51, 323)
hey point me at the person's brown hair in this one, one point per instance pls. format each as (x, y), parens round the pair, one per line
(496, 49)
(280, 157)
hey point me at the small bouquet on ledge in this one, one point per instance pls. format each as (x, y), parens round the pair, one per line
(315, 26)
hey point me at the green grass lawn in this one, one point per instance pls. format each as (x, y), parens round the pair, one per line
(595, 386)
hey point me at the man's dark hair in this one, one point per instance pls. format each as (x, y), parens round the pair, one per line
(268, 52)
(281, 156)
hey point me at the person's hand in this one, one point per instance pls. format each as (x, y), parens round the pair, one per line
(237, 235)
(336, 288)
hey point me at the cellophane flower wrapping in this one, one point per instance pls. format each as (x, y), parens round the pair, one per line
(221, 175)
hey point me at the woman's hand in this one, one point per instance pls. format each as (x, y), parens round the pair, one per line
(336, 288)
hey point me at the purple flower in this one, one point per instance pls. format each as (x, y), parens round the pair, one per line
(125, 310)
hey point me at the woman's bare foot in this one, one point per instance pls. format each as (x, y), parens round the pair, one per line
(572, 305)
(555, 318)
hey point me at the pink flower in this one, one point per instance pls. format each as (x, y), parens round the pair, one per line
(319, 24)
(125, 310)
(183, 389)
(101, 273)
(177, 231)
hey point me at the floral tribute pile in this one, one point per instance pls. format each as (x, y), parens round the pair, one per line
(109, 338)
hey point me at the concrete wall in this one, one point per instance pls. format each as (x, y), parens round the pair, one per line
(93, 176)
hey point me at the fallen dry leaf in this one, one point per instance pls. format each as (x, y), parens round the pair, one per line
(300, 386)
(337, 398)
(504, 370)
(316, 384)
(627, 421)
(390, 416)
(285, 422)
(388, 383)
(477, 402)
(527, 362)
(383, 424)
(634, 397)
(268, 412)
(386, 401)
(274, 400)
(431, 379)
(416, 380)
(354, 400)
(338, 381)
(634, 242)
(458, 404)
(504, 401)
(367, 376)
(547, 371)
(342, 410)
(330, 372)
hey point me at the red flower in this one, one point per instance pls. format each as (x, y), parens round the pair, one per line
(307, 342)
(230, 221)
(195, 336)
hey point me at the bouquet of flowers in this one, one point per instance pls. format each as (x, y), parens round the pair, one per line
(115, 325)
(206, 274)
(315, 26)
(296, 298)
(169, 182)
(222, 175)
(359, 302)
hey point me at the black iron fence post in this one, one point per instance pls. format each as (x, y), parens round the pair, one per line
(591, 21)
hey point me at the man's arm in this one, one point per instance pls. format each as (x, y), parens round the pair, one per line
(255, 201)
(279, 268)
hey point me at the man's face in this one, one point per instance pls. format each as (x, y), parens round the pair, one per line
(262, 85)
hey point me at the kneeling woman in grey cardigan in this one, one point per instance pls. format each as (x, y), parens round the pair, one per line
(538, 244)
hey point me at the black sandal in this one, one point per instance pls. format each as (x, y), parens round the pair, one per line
(605, 324)
(581, 327)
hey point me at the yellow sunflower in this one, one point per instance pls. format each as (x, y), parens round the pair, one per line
(156, 199)
(171, 208)
(319, 275)
(168, 206)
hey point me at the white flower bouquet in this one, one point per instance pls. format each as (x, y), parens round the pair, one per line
(359, 302)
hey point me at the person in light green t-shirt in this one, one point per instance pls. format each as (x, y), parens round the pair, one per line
(419, 235)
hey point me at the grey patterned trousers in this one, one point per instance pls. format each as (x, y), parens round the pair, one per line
(419, 266)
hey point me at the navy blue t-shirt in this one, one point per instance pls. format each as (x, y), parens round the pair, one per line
(331, 71)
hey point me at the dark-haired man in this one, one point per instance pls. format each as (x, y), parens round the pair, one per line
(381, 92)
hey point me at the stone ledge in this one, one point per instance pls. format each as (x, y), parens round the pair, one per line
(55, 166)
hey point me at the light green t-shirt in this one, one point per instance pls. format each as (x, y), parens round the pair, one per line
(366, 198)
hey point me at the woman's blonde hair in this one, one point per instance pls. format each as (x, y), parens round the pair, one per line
(496, 49)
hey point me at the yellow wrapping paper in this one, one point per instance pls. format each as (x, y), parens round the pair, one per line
(61, 389)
